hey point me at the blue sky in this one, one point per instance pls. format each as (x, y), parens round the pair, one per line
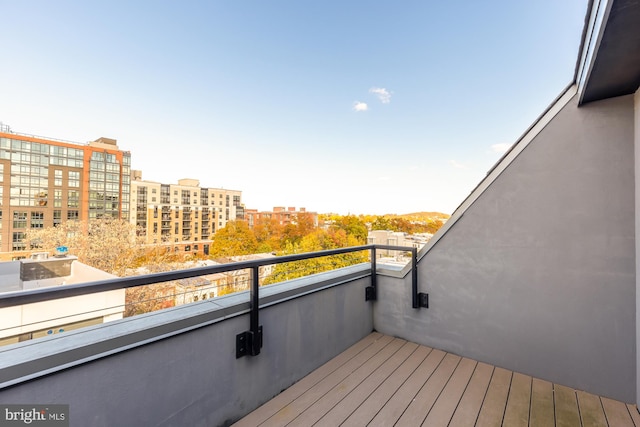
(337, 106)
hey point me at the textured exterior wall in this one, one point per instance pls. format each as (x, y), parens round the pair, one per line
(538, 275)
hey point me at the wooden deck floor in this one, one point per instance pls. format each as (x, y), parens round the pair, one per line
(386, 381)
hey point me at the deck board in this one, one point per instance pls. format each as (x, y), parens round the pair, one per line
(519, 401)
(616, 413)
(542, 409)
(591, 412)
(341, 411)
(420, 406)
(492, 411)
(566, 405)
(469, 406)
(445, 406)
(386, 381)
(347, 385)
(370, 407)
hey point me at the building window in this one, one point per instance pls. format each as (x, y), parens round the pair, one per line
(57, 198)
(155, 227)
(18, 242)
(73, 199)
(57, 178)
(72, 215)
(57, 217)
(74, 179)
(37, 219)
(19, 220)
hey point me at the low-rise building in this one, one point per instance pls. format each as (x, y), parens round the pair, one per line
(24, 322)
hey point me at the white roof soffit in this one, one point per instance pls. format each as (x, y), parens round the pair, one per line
(504, 163)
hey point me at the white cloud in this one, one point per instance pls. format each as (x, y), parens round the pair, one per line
(500, 148)
(458, 165)
(383, 94)
(360, 106)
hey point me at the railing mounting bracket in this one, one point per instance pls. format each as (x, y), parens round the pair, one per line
(248, 343)
(370, 293)
(423, 300)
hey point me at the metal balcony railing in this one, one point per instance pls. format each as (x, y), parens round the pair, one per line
(248, 342)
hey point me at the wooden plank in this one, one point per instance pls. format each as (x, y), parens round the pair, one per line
(365, 412)
(419, 408)
(353, 400)
(591, 412)
(616, 412)
(542, 410)
(330, 399)
(467, 411)
(288, 412)
(290, 394)
(566, 406)
(394, 408)
(492, 411)
(447, 402)
(635, 415)
(516, 412)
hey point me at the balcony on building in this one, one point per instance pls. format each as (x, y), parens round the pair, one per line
(522, 309)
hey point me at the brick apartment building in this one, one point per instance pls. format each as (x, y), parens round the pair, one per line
(184, 215)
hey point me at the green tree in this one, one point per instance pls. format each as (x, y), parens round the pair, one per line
(317, 241)
(353, 226)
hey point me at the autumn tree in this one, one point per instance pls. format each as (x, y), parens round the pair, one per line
(236, 238)
(108, 244)
(269, 234)
(300, 227)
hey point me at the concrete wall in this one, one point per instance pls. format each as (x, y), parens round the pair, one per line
(538, 274)
(194, 379)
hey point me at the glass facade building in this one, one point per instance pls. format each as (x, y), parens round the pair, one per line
(45, 182)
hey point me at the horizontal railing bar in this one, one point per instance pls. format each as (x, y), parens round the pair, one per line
(10, 299)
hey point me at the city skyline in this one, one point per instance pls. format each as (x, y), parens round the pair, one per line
(349, 108)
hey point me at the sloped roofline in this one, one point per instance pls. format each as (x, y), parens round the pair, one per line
(545, 118)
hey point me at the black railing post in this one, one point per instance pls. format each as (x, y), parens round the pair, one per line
(418, 299)
(250, 342)
(370, 293)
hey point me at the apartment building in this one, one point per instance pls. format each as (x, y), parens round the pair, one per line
(183, 215)
(281, 214)
(47, 181)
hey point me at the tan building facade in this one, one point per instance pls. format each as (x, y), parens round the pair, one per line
(183, 216)
(45, 182)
